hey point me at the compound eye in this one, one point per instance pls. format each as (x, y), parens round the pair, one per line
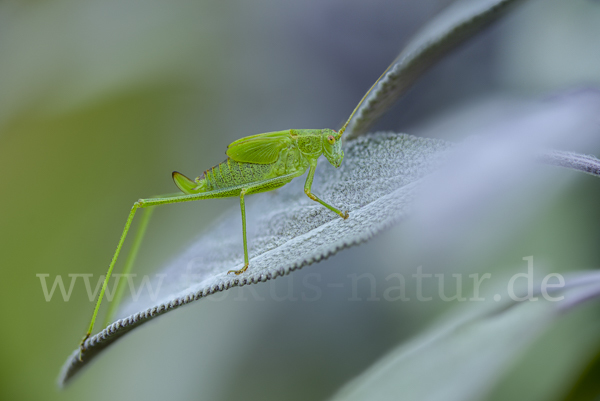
(331, 139)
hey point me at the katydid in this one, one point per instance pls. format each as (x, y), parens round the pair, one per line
(256, 163)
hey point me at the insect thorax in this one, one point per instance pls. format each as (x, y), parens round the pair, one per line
(309, 142)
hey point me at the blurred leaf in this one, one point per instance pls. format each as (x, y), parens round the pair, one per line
(586, 163)
(457, 23)
(463, 358)
(286, 230)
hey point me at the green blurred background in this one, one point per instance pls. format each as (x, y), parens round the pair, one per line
(101, 100)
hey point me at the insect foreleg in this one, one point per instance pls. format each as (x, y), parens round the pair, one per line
(308, 185)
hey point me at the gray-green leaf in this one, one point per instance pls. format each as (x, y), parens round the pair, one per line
(287, 231)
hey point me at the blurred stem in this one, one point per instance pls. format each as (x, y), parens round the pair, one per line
(587, 386)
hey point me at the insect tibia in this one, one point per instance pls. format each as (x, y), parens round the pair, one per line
(186, 185)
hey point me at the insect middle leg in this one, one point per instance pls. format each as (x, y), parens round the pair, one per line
(308, 185)
(243, 208)
(263, 186)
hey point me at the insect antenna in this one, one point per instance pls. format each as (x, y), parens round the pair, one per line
(341, 131)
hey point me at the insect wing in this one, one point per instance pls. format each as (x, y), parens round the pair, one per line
(259, 149)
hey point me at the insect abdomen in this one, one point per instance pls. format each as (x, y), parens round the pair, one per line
(231, 173)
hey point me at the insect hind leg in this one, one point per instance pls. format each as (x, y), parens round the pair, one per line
(140, 204)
